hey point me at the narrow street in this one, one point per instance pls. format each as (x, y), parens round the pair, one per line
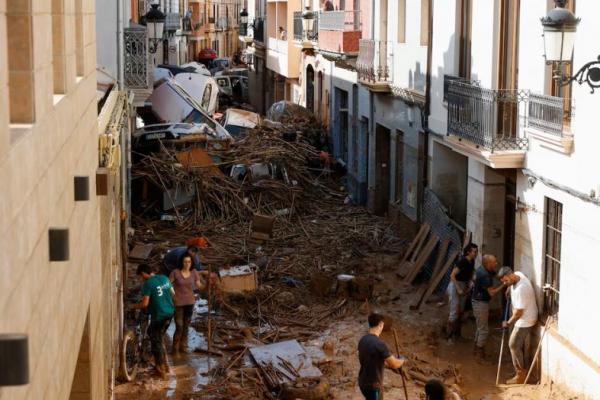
(299, 297)
(299, 200)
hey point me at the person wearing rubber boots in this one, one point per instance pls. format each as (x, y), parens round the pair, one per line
(373, 355)
(483, 291)
(157, 297)
(524, 317)
(461, 280)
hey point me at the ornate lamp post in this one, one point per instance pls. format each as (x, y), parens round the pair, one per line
(560, 27)
(155, 23)
(308, 23)
(244, 22)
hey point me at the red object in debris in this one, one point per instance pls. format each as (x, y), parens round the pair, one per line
(325, 159)
(207, 53)
(200, 242)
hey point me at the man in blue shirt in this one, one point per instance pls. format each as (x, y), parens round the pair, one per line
(483, 291)
(171, 260)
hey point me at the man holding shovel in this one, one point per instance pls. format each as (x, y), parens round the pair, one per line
(524, 317)
(373, 355)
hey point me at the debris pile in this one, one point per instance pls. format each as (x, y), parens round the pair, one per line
(318, 266)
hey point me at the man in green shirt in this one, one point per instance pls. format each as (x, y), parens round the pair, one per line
(157, 293)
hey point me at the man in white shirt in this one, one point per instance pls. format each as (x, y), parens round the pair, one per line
(524, 317)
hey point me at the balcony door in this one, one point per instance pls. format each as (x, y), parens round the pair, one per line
(383, 20)
(508, 109)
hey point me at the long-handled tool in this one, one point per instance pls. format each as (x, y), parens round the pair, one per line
(537, 351)
(401, 371)
(502, 343)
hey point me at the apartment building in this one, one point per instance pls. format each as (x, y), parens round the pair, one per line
(58, 221)
(329, 34)
(214, 25)
(392, 71)
(511, 156)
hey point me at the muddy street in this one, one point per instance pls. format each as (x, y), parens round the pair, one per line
(331, 239)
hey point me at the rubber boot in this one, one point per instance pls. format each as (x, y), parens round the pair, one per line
(519, 378)
(450, 328)
(160, 371)
(457, 329)
(480, 356)
(183, 343)
(176, 345)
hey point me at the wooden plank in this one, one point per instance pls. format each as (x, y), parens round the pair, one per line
(436, 279)
(427, 250)
(141, 251)
(421, 233)
(441, 257)
(420, 243)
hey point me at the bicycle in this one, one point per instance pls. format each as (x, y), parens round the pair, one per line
(135, 347)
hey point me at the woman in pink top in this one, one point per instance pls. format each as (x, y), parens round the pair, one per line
(184, 281)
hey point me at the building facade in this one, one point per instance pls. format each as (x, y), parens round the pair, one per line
(510, 155)
(52, 210)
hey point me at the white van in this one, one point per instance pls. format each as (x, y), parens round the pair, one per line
(202, 88)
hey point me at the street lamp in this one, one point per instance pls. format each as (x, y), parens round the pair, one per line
(244, 22)
(560, 26)
(155, 23)
(308, 23)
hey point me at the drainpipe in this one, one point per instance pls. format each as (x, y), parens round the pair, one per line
(120, 45)
(371, 113)
(426, 111)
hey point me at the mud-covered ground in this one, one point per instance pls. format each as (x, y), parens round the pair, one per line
(419, 336)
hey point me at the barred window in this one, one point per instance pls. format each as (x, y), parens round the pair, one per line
(552, 253)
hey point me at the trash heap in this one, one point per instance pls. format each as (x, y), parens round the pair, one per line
(214, 194)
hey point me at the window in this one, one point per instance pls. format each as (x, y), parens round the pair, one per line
(19, 40)
(425, 22)
(58, 47)
(464, 66)
(552, 252)
(79, 69)
(343, 125)
(206, 97)
(223, 82)
(401, 21)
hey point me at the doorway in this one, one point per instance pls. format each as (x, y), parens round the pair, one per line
(382, 169)
(310, 88)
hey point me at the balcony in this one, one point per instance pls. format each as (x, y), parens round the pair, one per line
(172, 22)
(222, 23)
(339, 31)
(186, 26)
(374, 65)
(137, 69)
(485, 123)
(548, 121)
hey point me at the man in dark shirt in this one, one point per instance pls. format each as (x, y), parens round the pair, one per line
(171, 260)
(458, 289)
(373, 354)
(483, 291)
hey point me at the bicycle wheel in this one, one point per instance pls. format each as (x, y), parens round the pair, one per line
(129, 357)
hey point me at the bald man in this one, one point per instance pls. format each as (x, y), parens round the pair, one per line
(483, 291)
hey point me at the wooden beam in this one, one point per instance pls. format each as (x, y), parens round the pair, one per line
(422, 259)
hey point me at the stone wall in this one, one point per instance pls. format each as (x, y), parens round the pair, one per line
(50, 301)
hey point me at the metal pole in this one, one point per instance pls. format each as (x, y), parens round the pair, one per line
(502, 343)
(401, 371)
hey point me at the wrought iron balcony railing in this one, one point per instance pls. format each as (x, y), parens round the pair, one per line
(549, 114)
(298, 26)
(345, 20)
(137, 67)
(373, 64)
(172, 22)
(222, 23)
(186, 25)
(486, 117)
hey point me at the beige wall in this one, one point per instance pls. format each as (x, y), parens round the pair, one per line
(50, 301)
